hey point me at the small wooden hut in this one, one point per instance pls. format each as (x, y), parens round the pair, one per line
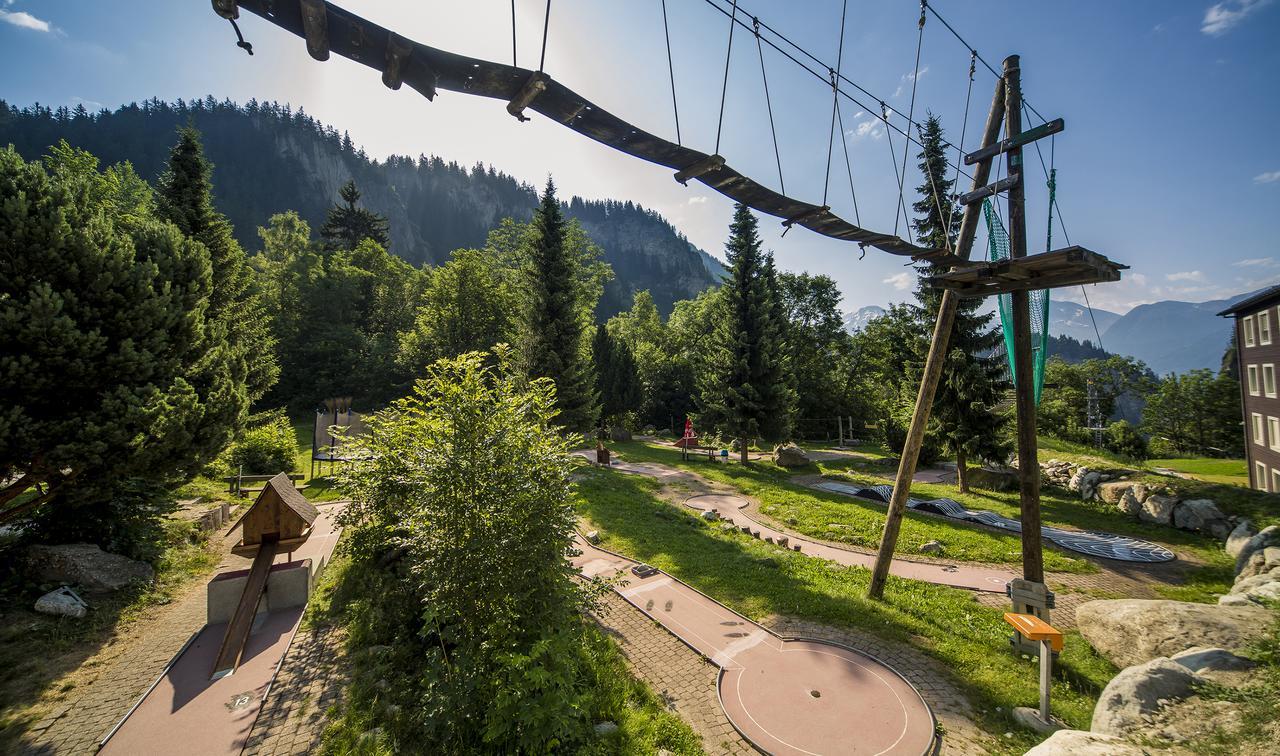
(280, 515)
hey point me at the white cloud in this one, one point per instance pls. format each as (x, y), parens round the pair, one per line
(25, 20)
(1256, 262)
(698, 200)
(1222, 17)
(1186, 275)
(868, 128)
(1270, 177)
(901, 281)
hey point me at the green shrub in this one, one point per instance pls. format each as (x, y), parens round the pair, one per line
(1123, 439)
(267, 446)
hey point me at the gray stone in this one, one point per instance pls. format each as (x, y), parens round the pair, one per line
(1234, 599)
(1114, 491)
(709, 514)
(62, 603)
(1138, 692)
(932, 547)
(1200, 659)
(1089, 485)
(605, 728)
(728, 527)
(86, 565)
(1130, 504)
(1081, 743)
(1198, 515)
(790, 455)
(1157, 509)
(1239, 536)
(1271, 555)
(619, 433)
(1133, 631)
(1255, 565)
(1077, 478)
(1268, 536)
(1266, 592)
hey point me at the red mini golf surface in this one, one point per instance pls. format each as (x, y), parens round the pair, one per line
(733, 509)
(768, 685)
(188, 713)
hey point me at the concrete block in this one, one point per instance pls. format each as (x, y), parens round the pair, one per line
(288, 585)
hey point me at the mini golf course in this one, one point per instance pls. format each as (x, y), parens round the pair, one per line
(1093, 543)
(785, 696)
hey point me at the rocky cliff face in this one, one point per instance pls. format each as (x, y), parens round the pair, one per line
(268, 159)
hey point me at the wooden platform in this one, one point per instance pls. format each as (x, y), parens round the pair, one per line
(1071, 266)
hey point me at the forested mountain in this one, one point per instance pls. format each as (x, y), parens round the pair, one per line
(269, 158)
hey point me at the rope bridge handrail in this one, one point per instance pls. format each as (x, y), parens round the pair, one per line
(327, 27)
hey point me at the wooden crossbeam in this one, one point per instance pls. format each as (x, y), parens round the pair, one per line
(315, 27)
(1018, 140)
(535, 85)
(1071, 266)
(701, 168)
(990, 190)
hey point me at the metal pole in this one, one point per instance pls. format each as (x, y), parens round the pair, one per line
(933, 364)
(1028, 464)
(1046, 661)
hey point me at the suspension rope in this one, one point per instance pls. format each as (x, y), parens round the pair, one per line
(755, 22)
(824, 79)
(240, 43)
(546, 23)
(911, 111)
(724, 87)
(902, 205)
(835, 100)
(671, 70)
(937, 202)
(514, 64)
(964, 128)
(848, 166)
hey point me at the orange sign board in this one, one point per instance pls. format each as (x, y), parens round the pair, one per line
(1034, 628)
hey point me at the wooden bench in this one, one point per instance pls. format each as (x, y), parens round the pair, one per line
(236, 483)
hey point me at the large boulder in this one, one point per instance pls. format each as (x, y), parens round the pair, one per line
(1130, 504)
(1137, 693)
(992, 478)
(1081, 743)
(86, 565)
(1255, 565)
(790, 455)
(1158, 509)
(1112, 491)
(1203, 516)
(1134, 631)
(1239, 536)
(1200, 659)
(1268, 536)
(62, 603)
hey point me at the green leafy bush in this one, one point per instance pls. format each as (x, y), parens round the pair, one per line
(268, 446)
(1124, 439)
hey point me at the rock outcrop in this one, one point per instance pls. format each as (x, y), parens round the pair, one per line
(1135, 631)
(790, 455)
(86, 565)
(1138, 692)
(1081, 743)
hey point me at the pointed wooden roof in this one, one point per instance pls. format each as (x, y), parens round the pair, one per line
(291, 496)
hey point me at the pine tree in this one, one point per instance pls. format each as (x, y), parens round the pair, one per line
(555, 346)
(973, 376)
(236, 316)
(348, 225)
(616, 380)
(746, 392)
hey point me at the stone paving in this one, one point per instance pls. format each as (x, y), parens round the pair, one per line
(310, 682)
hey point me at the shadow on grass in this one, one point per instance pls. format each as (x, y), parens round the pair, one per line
(760, 580)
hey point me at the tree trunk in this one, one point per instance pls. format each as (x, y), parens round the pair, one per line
(742, 450)
(962, 472)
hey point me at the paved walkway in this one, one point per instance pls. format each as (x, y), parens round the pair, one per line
(785, 696)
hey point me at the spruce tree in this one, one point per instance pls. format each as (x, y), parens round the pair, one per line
(617, 383)
(973, 380)
(554, 342)
(348, 224)
(237, 321)
(745, 392)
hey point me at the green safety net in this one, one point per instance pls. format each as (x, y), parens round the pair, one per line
(998, 242)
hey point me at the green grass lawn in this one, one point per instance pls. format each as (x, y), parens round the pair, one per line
(318, 488)
(1229, 471)
(969, 640)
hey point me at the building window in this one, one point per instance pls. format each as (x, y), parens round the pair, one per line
(1269, 380)
(1264, 327)
(1253, 381)
(1248, 331)
(1273, 432)
(1260, 476)
(1259, 436)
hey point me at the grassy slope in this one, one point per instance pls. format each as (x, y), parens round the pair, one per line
(968, 639)
(1229, 471)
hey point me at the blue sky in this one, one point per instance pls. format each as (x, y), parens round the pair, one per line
(1169, 162)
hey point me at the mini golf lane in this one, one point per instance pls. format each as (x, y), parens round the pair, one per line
(785, 696)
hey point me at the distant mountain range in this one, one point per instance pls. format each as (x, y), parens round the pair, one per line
(1169, 336)
(269, 158)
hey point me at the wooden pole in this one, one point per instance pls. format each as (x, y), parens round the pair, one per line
(1028, 464)
(933, 363)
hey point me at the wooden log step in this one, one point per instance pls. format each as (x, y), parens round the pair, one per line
(1026, 137)
(989, 190)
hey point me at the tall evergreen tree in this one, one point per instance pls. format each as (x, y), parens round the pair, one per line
(237, 320)
(973, 376)
(554, 343)
(348, 224)
(616, 380)
(746, 392)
